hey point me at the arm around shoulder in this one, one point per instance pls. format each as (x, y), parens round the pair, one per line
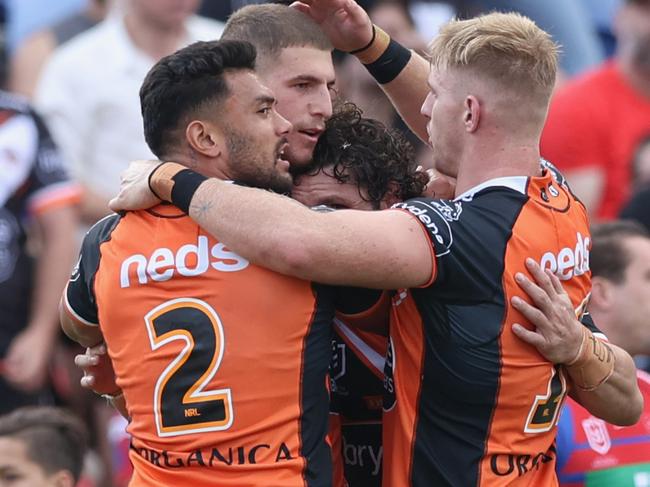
(382, 250)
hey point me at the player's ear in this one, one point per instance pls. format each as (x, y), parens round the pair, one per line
(471, 113)
(205, 138)
(601, 294)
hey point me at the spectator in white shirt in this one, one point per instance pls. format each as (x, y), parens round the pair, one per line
(88, 92)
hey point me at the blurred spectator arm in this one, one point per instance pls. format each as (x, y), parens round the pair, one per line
(30, 352)
(59, 98)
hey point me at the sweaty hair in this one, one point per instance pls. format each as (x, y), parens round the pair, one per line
(364, 151)
(272, 28)
(54, 439)
(609, 257)
(505, 47)
(186, 84)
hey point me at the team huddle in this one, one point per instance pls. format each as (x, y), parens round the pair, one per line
(377, 326)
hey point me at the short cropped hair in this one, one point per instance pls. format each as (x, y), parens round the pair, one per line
(186, 83)
(54, 438)
(609, 257)
(366, 152)
(272, 28)
(506, 47)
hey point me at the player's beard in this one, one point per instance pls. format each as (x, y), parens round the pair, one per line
(253, 168)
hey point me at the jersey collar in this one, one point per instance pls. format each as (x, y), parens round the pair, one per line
(517, 183)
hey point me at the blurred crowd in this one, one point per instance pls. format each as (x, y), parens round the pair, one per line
(70, 122)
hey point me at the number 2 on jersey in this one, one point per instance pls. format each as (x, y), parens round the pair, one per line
(544, 412)
(181, 403)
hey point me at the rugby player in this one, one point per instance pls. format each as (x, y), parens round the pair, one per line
(359, 164)
(222, 365)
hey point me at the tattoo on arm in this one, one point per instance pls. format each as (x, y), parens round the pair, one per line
(202, 207)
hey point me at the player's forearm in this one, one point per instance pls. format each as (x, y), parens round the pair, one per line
(346, 247)
(401, 74)
(53, 266)
(618, 400)
(268, 229)
(407, 93)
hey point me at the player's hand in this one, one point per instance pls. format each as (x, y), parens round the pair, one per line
(439, 187)
(97, 367)
(347, 25)
(27, 360)
(558, 333)
(134, 188)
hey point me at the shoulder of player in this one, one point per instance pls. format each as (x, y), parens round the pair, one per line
(490, 199)
(101, 231)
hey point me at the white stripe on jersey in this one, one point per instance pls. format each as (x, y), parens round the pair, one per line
(375, 359)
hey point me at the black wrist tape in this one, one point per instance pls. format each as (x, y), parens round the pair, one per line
(390, 63)
(186, 182)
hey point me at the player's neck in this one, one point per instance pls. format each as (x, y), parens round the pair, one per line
(496, 161)
(151, 38)
(208, 167)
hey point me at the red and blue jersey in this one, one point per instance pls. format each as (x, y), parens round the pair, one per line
(593, 453)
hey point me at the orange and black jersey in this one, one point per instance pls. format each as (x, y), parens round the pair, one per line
(223, 364)
(357, 377)
(467, 403)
